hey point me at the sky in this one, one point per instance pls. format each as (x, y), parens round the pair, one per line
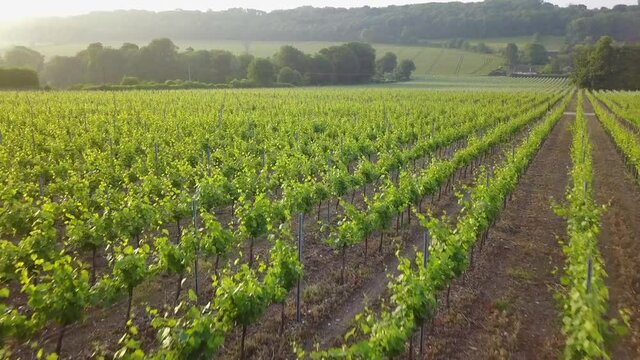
(21, 9)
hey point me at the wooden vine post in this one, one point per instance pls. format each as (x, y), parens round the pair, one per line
(299, 284)
(194, 209)
(425, 261)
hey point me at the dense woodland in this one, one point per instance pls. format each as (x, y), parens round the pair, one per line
(417, 23)
(607, 66)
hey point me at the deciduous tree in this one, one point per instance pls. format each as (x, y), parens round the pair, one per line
(261, 71)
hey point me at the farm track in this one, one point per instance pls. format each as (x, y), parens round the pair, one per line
(504, 306)
(459, 65)
(435, 61)
(619, 240)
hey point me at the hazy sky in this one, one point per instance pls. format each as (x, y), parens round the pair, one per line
(18, 9)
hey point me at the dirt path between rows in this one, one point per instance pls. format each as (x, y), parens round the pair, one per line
(504, 305)
(619, 239)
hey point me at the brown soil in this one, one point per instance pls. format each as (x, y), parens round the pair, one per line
(619, 240)
(504, 306)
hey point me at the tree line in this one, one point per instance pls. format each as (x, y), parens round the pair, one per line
(535, 56)
(161, 62)
(607, 66)
(416, 24)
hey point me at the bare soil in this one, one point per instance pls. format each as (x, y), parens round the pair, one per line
(619, 239)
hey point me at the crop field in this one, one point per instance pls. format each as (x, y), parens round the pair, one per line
(428, 60)
(335, 223)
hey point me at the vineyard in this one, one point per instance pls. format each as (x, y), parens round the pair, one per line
(339, 223)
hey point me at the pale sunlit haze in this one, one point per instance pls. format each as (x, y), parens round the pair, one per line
(21, 9)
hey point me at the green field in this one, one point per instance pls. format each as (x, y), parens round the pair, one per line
(552, 43)
(428, 60)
